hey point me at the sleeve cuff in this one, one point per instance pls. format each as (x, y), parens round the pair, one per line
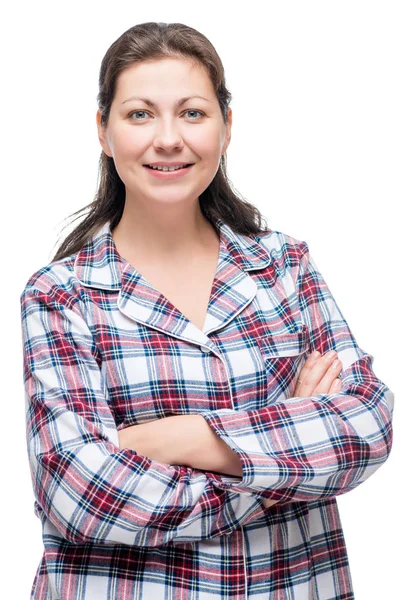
(230, 482)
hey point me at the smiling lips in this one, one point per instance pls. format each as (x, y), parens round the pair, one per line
(165, 173)
(169, 168)
(167, 165)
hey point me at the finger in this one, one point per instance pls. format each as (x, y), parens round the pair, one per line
(336, 386)
(310, 362)
(310, 377)
(308, 382)
(307, 367)
(267, 503)
(331, 374)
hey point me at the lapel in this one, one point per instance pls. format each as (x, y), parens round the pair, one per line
(99, 265)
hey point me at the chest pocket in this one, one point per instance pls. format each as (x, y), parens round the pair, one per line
(283, 357)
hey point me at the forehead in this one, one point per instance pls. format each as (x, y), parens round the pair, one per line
(158, 78)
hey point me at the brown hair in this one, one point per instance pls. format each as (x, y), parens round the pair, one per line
(150, 41)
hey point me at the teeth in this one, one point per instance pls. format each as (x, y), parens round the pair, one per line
(167, 168)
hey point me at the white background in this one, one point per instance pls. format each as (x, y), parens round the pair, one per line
(315, 145)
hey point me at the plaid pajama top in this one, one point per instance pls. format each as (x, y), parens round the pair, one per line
(103, 349)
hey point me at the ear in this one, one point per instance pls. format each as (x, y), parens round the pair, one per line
(102, 133)
(228, 131)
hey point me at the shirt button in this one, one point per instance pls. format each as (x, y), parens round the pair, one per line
(205, 349)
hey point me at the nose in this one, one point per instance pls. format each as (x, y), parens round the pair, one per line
(167, 135)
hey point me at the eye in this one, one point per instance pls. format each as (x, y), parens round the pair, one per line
(189, 110)
(195, 111)
(135, 112)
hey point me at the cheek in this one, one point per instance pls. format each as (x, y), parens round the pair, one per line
(205, 140)
(126, 143)
(209, 150)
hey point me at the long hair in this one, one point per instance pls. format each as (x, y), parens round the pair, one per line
(149, 41)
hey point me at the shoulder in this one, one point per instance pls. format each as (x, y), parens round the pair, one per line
(282, 246)
(56, 281)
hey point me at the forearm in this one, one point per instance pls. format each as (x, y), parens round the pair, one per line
(182, 440)
(208, 452)
(185, 440)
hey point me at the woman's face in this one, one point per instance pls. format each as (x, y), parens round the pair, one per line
(138, 134)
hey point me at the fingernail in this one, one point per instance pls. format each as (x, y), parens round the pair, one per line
(331, 354)
(315, 354)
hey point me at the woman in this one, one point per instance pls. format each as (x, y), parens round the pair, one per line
(184, 441)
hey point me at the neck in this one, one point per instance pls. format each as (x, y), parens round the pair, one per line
(163, 235)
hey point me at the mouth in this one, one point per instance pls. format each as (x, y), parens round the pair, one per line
(166, 174)
(167, 170)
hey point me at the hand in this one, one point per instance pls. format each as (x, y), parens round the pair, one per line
(267, 503)
(317, 376)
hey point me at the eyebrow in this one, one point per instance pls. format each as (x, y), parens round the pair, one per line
(154, 105)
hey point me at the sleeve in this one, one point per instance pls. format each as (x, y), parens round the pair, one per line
(89, 488)
(303, 449)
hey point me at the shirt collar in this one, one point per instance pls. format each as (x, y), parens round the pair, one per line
(98, 264)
